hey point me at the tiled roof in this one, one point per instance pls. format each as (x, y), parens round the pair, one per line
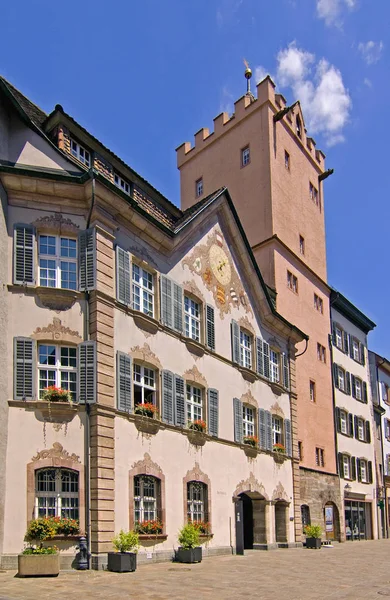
(33, 111)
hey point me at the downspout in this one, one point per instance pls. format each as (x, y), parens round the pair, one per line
(383, 459)
(87, 443)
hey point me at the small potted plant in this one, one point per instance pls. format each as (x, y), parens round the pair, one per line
(56, 394)
(146, 410)
(279, 448)
(189, 550)
(250, 440)
(124, 559)
(313, 536)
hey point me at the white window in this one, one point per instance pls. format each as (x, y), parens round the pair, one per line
(341, 379)
(194, 403)
(245, 156)
(312, 391)
(146, 491)
(274, 359)
(57, 493)
(245, 349)
(57, 366)
(277, 430)
(80, 153)
(248, 421)
(320, 461)
(192, 318)
(361, 431)
(143, 290)
(199, 187)
(346, 467)
(196, 502)
(343, 422)
(121, 183)
(339, 337)
(358, 389)
(144, 385)
(292, 282)
(57, 262)
(363, 471)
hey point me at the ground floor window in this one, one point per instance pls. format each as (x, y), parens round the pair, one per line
(305, 512)
(357, 520)
(196, 501)
(146, 498)
(57, 493)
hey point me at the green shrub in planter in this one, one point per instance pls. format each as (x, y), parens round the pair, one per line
(313, 536)
(189, 550)
(124, 559)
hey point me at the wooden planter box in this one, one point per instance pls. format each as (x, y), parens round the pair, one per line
(38, 565)
(122, 562)
(192, 555)
(313, 543)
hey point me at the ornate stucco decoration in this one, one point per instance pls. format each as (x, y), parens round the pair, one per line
(248, 398)
(147, 465)
(57, 332)
(56, 299)
(280, 493)
(57, 451)
(196, 474)
(195, 376)
(143, 254)
(191, 287)
(250, 485)
(145, 354)
(213, 262)
(56, 223)
(276, 409)
(245, 323)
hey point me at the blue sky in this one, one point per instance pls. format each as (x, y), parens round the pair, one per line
(144, 76)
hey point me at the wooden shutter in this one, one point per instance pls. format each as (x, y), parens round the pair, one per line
(345, 344)
(123, 276)
(259, 356)
(213, 411)
(347, 383)
(237, 413)
(235, 333)
(356, 423)
(286, 375)
(86, 372)
(177, 307)
(24, 368)
(338, 420)
(124, 376)
(365, 397)
(268, 430)
(287, 435)
(262, 430)
(167, 397)
(336, 375)
(353, 468)
(341, 465)
(387, 466)
(350, 425)
(362, 354)
(24, 254)
(87, 260)
(210, 327)
(166, 301)
(180, 408)
(359, 475)
(266, 359)
(368, 433)
(334, 333)
(369, 465)
(350, 346)
(353, 381)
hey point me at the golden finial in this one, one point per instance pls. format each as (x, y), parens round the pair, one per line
(248, 70)
(248, 75)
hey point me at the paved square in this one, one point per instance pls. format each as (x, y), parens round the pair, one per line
(352, 571)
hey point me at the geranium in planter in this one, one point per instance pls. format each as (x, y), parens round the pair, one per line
(250, 440)
(203, 527)
(189, 550)
(150, 527)
(56, 394)
(125, 557)
(45, 528)
(146, 410)
(313, 536)
(279, 448)
(197, 425)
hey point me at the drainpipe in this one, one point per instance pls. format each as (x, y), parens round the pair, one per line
(383, 457)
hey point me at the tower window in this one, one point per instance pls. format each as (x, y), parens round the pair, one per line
(245, 156)
(301, 245)
(199, 187)
(287, 160)
(298, 123)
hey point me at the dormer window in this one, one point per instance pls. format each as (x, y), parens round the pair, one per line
(298, 124)
(121, 183)
(80, 153)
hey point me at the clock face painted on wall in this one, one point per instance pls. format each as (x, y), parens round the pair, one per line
(220, 265)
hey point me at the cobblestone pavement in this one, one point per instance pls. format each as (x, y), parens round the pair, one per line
(348, 571)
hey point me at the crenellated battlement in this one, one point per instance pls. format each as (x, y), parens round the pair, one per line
(245, 106)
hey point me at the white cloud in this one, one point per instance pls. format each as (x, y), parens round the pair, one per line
(332, 10)
(371, 51)
(260, 73)
(325, 101)
(367, 82)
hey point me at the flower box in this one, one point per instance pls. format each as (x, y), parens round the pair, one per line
(147, 424)
(192, 555)
(146, 410)
(197, 438)
(38, 565)
(250, 451)
(122, 562)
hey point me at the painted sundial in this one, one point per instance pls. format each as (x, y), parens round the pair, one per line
(213, 263)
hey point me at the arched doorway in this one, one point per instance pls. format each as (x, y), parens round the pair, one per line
(281, 508)
(250, 521)
(247, 508)
(332, 521)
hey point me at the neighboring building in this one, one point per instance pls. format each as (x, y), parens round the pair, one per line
(380, 384)
(116, 295)
(275, 174)
(354, 419)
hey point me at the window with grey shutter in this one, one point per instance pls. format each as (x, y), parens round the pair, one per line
(334, 333)
(350, 425)
(124, 381)
(359, 474)
(266, 359)
(166, 301)
(286, 374)
(262, 430)
(338, 420)
(268, 430)
(180, 414)
(362, 354)
(259, 356)
(24, 368)
(353, 468)
(237, 413)
(86, 379)
(167, 397)
(365, 397)
(347, 383)
(177, 307)
(213, 411)
(24, 254)
(123, 276)
(341, 465)
(345, 342)
(368, 433)
(87, 260)
(336, 375)
(356, 424)
(350, 341)
(235, 334)
(210, 327)
(288, 438)
(353, 385)
(369, 465)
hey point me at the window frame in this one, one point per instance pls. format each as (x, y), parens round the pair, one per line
(274, 365)
(347, 463)
(361, 429)
(343, 413)
(248, 420)
(122, 184)
(143, 289)
(58, 368)
(341, 376)
(76, 152)
(358, 386)
(287, 161)
(301, 245)
(199, 187)
(246, 351)
(57, 258)
(312, 388)
(141, 498)
(191, 319)
(320, 457)
(277, 430)
(58, 494)
(363, 463)
(318, 303)
(193, 406)
(192, 503)
(321, 353)
(245, 161)
(142, 385)
(292, 282)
